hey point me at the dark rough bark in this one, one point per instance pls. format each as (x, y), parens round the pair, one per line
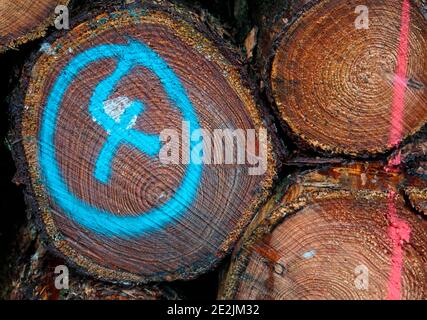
(32, 277)
(25, 20)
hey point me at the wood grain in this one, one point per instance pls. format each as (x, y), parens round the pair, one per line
(32, 277)
(24, 20)
(227, 196)
(313, 238)
(333, 84)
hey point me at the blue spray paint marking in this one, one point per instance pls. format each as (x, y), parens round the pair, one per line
(120, 132)
(309, 254)
(98, 220)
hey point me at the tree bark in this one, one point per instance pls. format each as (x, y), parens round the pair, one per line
(103, 202)
(335, 233)
(413, 155)
(418, 198)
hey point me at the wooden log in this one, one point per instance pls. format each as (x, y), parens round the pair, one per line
(335, 233)
(106, 201)
(25, 20)
(336, 87)
(38, 275)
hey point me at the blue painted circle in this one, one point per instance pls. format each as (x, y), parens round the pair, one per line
(102, 222)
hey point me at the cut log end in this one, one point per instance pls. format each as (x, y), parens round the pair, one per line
(24, 20)
(338, 75)
(333, 236)
(96, 104)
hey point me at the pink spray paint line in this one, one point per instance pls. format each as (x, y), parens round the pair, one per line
(394, 162)
(400, 85)
(399, 231)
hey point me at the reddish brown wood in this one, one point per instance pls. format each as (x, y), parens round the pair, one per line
(217, 87)
(24, 20)
(333, 84)
(321, 230)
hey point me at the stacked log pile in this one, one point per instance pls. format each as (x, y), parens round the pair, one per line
(334, 96)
